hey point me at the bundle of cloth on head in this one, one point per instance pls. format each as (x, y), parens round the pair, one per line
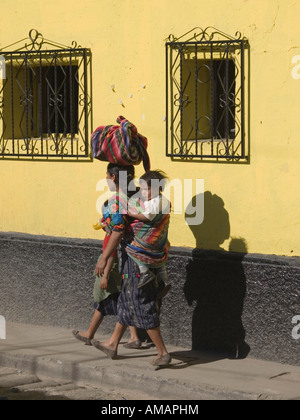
(120, 144)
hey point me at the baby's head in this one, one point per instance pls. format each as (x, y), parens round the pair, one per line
(152, 183)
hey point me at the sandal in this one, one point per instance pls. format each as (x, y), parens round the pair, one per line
(133, 345)
(162, 361)
(87, 341)
(112, 354)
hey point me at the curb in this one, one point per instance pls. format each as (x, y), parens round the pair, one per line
(98, 376)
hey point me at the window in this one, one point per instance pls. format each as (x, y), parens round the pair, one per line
(206, 97)
(45, 107)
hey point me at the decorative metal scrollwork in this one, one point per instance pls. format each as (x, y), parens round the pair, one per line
(206, 95)
(50, 104)
(82, 99)
(208, 34)
(37, 40)
(75, 45)
(26, 100)
(224, 99)
(181, 100)
(56, 100)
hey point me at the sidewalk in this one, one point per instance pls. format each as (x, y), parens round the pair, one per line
(53, 353)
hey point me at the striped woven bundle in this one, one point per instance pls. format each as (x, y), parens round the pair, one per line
(120, 144)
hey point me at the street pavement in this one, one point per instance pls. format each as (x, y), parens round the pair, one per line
(41, 362)
(16, 384)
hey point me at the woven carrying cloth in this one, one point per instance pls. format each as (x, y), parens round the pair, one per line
(121, 144)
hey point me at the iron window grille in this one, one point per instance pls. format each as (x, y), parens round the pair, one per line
(206, 96)
(45, 100)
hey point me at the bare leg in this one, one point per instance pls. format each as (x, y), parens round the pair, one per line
(156, 337)
(110, 347)
(95, 324)
(133, 335)
(115, 339)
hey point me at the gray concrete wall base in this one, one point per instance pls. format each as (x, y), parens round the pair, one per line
(220, 301)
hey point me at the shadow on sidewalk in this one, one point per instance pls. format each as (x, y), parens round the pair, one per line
(190, 358)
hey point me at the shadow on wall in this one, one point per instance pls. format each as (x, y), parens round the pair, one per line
(217, 283)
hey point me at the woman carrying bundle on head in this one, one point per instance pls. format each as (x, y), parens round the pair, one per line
(137, 306)
(139, 301)
(107, 287)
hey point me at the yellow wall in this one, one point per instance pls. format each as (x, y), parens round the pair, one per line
(127, 37)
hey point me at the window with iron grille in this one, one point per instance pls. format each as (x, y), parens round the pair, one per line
(45, 105)
(206, 96)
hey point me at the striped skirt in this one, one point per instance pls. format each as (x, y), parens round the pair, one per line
(108, 306)
(139, 308)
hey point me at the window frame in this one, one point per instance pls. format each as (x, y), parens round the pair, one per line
(24, 102)
(209, 44)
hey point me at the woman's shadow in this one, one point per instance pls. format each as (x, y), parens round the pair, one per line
(216, 282)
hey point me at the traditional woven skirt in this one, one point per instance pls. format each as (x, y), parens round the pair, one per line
(137, 307)
(108, 306)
